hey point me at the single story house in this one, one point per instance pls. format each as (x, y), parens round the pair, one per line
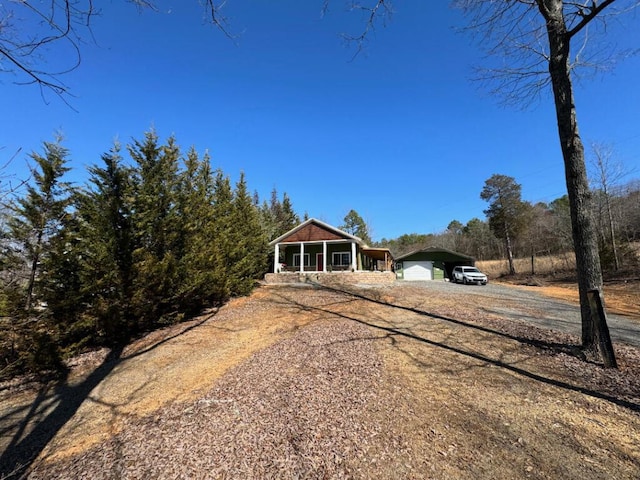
(430, 264)
(315, 246)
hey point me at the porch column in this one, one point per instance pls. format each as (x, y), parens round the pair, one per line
(324, 256)
(276, 259)
(354, 261)
(301, 257)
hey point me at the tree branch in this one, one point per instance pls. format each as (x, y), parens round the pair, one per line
(593, 10)
(217, 19)
(381, 9)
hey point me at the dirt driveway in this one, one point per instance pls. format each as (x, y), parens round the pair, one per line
(534, 305)
(302, 382)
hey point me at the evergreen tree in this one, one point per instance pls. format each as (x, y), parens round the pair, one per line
(33, 230)
(200, 261)
(156, 226)
(280, 214)
(62, 287)
(277, 217)
(248, 255)
(355, 225)
(222, 234)
(288, 218)
(107, 246)
(505, 212)
(38, 215)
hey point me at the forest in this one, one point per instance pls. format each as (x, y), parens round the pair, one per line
(148, 241)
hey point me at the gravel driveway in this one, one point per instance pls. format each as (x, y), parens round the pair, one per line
(523, 304)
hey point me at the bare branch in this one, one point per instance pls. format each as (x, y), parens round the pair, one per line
(514, 36)
(586, 13)
(42, 26)
(217, 19)
(29, 29)
(378, 11)
(9, 184)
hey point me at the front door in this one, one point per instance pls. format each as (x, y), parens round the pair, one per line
(319, 262)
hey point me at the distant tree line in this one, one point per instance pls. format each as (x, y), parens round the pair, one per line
(145, 243)
(537, 229)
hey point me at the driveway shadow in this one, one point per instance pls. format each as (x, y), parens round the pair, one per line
(390, 332)
(23, 450)
(567, 348)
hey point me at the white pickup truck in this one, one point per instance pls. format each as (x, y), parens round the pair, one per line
(468, 275)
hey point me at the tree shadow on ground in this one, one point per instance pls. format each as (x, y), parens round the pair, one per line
(391, 332)
(23, 449)
(567, 348)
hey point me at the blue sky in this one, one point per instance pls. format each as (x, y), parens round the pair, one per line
(400, 133)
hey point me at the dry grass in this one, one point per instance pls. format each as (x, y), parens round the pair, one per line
(555, 277)
(542, 265)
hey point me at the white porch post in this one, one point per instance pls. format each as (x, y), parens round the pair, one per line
(301, 257)
(354, 264)
(324, 256)
(276, 259)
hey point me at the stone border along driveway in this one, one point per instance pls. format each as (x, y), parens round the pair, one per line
(535, 308)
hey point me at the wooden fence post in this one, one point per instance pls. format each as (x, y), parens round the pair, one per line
(533, 263)
(599, 320)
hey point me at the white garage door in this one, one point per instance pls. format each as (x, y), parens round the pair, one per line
(418, 270)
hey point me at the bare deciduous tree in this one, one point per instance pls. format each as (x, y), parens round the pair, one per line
(535, 40)
(630, 214)
(606, 174)
(31, 30)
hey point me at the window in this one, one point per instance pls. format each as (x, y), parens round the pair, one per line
(296, 259)
(341, 259)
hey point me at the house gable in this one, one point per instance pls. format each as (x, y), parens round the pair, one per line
(312, 233)
(315, 231)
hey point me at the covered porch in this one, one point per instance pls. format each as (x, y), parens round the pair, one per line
(321, 256)
(316, 247)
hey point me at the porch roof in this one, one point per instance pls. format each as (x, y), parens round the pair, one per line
(377, 253)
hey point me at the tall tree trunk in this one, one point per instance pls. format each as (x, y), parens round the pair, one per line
(584, 232)
(612, 231)
(507, 241)
(32, 272)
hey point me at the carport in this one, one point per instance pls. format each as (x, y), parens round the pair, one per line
(431, 263)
